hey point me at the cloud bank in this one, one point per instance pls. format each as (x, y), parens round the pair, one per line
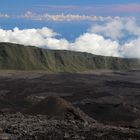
(87, 42)
(75, 12)
(62, 17)
(116, 28)
(56, 17)
(4, 15)
(45, 37)
(103, 38)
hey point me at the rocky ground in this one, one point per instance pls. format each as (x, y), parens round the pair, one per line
(27, 127)
(102, 105)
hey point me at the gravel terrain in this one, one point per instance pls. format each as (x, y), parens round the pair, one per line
(100, 105)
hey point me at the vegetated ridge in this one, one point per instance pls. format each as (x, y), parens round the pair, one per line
(20, 57)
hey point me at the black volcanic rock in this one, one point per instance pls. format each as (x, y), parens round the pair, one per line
(111, 98)
(27, 127)
(58, 108)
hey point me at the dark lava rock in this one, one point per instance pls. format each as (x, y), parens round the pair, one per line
(5, 136)
(39, 127)
(58, 108)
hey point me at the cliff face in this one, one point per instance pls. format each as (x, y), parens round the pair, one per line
(19, 57)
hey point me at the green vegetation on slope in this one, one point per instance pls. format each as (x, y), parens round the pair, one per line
(19, 57)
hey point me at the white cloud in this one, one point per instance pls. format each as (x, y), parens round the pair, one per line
(55, 17)
(119, 28)
(116, 28)
(132, 49)
(111, 29)
(62, 17)
(4, 15)
(96, 44)
(132, 27)
(35, 37)
(88, 42)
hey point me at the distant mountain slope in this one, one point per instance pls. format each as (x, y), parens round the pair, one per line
(19, 57)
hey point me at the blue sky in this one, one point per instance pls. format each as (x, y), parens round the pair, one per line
(81, 7)
(65, 2)
(22, 5)
(115, 23)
